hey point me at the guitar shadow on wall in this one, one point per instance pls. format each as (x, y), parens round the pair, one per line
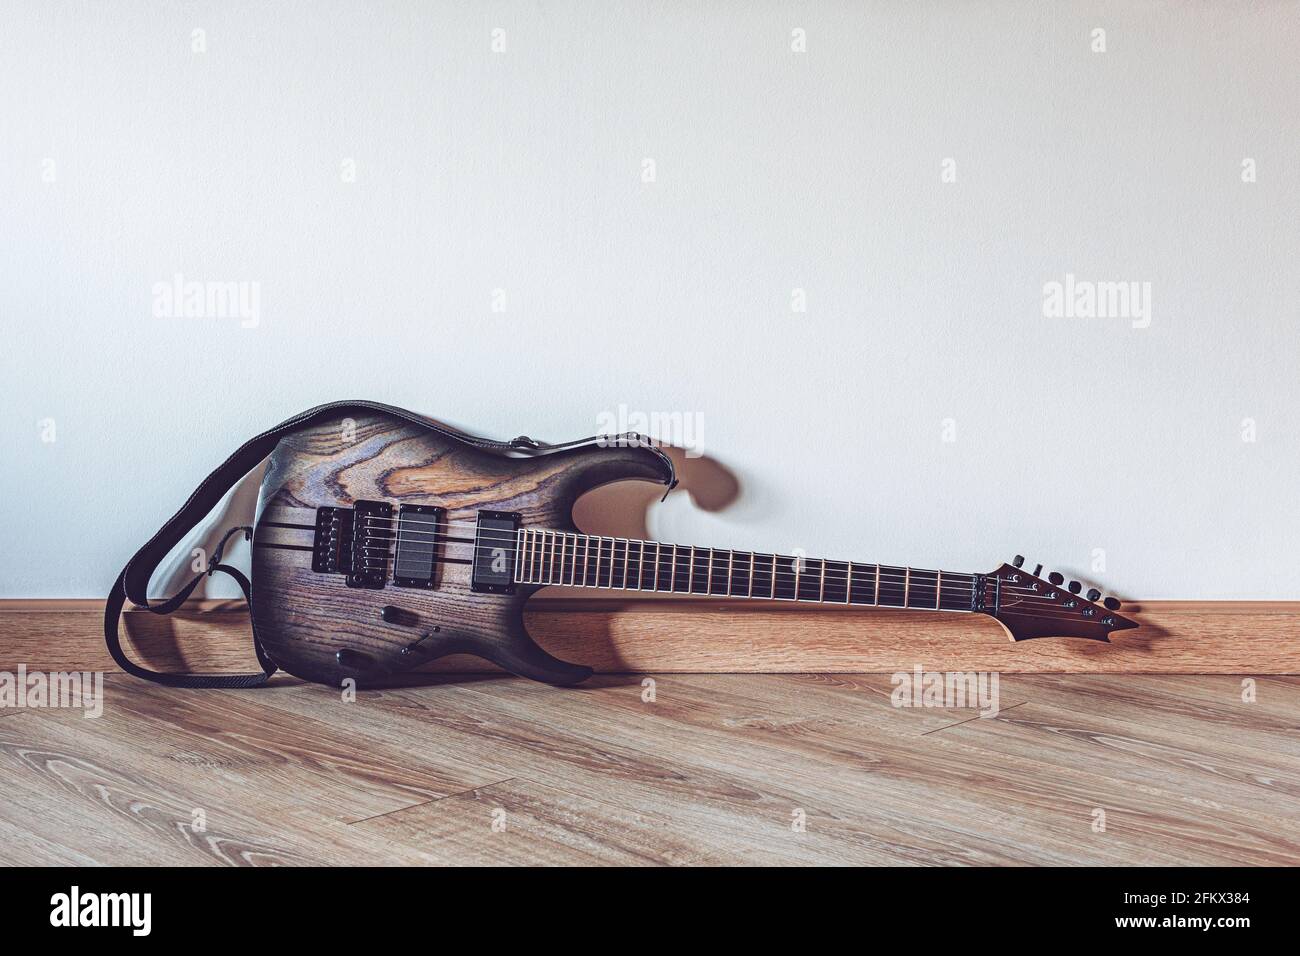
(617, 510)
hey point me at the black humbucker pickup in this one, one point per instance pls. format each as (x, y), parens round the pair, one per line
(419, 533)
(493, 571)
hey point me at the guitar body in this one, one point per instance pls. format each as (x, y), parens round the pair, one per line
(319, 627)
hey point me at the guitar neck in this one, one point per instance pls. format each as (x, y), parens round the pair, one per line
(590, 561)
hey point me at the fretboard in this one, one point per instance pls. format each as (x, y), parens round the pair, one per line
(588, 561)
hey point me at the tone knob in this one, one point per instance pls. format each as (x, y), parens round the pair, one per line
(1018, 560)
(1111, 603)
(354, 660)
(1056, 577)
(1093, 594)
(1075, 587)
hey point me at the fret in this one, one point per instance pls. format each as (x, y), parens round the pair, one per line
(923, 590)
(627, 581)
(876, 600)
(590, 563)
(602, 561)
(764, 584)
(663, 562)
(731, 561)
(618, 566)
(938, 590)
(563, 546)
(545, 568)
(555, 542)
(742, 582)
(640, 566)
(809, 586)
(580, 574)
(892, 590)
(719, 572)
(835, 582)
(573, 560)
(539, 556)
(701, 569)
(958, 592)
(862, 587)
(784, 575)
(682, 568)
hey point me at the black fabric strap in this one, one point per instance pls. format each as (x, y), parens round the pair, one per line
(133, 583)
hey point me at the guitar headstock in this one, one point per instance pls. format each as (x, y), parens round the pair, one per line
(1031, 606)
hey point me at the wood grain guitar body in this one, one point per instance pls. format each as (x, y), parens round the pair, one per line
(325, 626)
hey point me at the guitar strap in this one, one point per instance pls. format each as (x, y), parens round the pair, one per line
(133, 583)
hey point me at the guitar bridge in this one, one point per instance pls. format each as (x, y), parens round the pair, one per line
(354, 542)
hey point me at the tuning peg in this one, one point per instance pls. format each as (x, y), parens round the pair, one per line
(1074, 587)
(1093, 594)
(1018, 560)
(1111, 603)
(1038, 571)
(1056, 577)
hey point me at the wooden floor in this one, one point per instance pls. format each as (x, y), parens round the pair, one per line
(718, 769)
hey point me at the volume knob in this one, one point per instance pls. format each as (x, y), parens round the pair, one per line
(1075, 587)
(1093, 594)
(1056, 577)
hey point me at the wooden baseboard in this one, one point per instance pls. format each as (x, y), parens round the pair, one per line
(715, 636)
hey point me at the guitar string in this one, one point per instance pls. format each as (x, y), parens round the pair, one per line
(542, 553)
(1055, 611)
(837, 575)
(783, 578)
(511, 537)
(385, 523)
(539, 549)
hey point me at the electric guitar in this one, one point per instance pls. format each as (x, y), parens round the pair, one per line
(384, 540)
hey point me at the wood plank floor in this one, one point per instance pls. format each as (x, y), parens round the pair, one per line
(716, 769)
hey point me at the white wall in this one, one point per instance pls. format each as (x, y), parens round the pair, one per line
(522, 170)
